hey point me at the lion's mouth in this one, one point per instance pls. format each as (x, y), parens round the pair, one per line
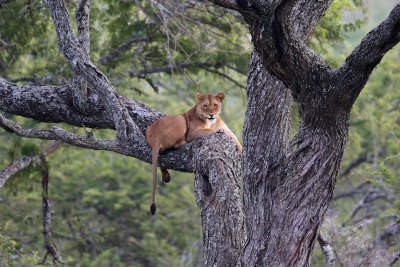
(211, 118)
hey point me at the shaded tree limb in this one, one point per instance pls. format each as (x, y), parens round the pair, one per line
(372, 195)
(171, 68)
(328, 251)
(361, 159)
(180, 66)
(5, 44)
(358, 190)
(134, 39)
(395, 260)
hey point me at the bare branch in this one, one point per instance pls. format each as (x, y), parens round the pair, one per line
(134, 39)
(372, 195)
(360, 63)
(361, 159)
(226, 77)
(152, 84)
(56, 133)
(5, 45)
(330, 257)
(15, 167)
(180, 66)
(358, 190)
(25, 162)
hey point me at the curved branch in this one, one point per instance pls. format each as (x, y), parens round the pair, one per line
(15, 167)
(24, 163)
(180, 66)
(5, 44)
(354, 73)
(68, 44)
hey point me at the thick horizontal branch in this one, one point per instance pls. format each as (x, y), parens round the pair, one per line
(359, 64)
(54, 104)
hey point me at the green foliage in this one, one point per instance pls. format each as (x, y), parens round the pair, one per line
(12, 255)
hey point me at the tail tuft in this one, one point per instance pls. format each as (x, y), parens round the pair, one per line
(153, 208)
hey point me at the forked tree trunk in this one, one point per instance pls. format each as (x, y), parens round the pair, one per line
(288, 182)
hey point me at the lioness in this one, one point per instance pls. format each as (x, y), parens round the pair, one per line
(176, 130)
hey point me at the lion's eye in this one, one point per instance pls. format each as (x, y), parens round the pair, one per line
(204, 106)
(215, 105)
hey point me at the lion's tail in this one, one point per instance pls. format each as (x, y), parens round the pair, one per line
(154, 162)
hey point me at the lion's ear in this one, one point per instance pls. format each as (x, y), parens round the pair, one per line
(199, 97)
(220, 97)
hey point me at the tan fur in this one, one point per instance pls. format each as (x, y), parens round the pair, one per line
(169, 131)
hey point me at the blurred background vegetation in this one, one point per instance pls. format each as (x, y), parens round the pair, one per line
(160, 53)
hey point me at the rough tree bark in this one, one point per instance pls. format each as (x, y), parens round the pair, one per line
(287, 183)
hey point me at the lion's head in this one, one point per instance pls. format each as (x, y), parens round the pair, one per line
(208, 107)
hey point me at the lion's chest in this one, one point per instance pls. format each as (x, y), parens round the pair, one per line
(210, 123)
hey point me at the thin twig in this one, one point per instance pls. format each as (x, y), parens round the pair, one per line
(47, 214)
